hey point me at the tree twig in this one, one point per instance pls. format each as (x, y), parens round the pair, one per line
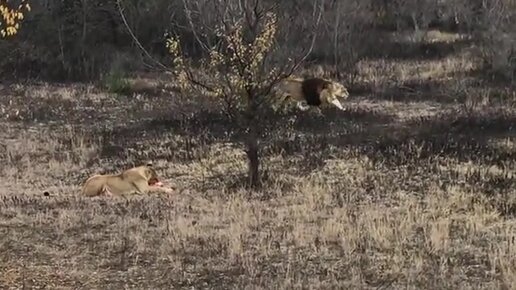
(133, 36)
(188, 13)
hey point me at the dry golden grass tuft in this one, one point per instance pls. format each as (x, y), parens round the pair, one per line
(414, 191)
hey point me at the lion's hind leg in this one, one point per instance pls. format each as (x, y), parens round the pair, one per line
(104, 191)
(281, 101)
(303, 105)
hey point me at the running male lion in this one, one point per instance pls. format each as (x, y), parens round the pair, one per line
(311, 92)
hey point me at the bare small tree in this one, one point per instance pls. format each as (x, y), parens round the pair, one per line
(240, 67)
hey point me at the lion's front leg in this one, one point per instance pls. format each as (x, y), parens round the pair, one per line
(161, 188)
(141, 187)
(303, 105)
(327, 97)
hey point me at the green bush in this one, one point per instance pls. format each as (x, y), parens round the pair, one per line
(117, 83)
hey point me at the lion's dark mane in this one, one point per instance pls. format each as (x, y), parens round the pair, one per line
(312, 88)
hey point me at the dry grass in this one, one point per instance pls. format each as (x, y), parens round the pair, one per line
(416, 190)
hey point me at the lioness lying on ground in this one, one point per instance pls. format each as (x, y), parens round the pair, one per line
(137, 180)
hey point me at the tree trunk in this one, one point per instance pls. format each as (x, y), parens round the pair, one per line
(253, 160)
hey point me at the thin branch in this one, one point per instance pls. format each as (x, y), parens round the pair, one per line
(284, 73)
(312, 44)
(120, 10)
(188, 13)
(239, 58)
(197, 82)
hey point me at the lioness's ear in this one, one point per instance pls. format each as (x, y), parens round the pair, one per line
(149, 164)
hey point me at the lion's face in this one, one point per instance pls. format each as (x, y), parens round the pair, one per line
(336, 91)
(340, 91)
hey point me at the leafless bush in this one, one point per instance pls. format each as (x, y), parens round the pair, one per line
(240, 68)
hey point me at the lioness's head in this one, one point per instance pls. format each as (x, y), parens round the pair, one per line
(151, 175)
